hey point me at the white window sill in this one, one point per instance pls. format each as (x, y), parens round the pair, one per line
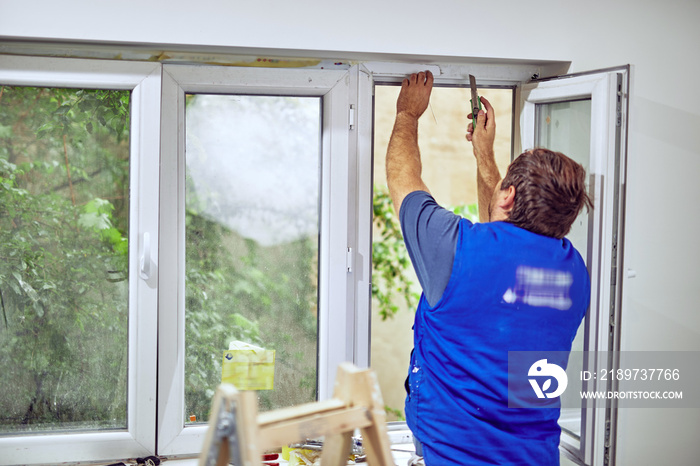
(402, 449)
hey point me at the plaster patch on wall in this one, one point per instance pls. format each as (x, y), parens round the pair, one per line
(137, 53)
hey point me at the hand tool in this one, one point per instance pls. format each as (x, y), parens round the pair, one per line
(475, 100)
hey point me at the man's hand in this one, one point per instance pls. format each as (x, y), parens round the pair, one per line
(487, 175)
(403, 164)
(482, 137)
(415, 94)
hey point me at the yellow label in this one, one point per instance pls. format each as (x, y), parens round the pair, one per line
(249, 369)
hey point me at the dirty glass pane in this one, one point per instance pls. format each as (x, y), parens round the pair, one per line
(252, 230)
(64, 203)
(449, 171)
(566, 127)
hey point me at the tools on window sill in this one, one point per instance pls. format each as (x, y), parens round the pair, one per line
(147, 461)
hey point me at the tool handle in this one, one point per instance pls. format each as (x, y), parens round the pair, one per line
(475, 109)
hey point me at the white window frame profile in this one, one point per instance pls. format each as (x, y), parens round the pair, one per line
(339, 260)
(143, 80)
(607, 90)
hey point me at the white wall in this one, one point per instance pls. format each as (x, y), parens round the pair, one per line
(659, 39)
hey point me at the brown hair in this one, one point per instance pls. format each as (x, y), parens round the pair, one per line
(550, 191)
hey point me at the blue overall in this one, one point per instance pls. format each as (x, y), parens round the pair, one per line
(509, 290)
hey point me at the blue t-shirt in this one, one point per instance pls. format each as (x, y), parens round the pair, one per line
(430, 233)
(508, 289)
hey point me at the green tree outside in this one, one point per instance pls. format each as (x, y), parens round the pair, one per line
(63, 254)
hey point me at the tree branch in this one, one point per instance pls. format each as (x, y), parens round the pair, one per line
(79, 180)
(2, 299)
(70, 183)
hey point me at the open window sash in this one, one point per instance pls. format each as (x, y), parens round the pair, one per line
(603, 94)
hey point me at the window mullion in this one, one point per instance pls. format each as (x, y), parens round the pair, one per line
(336, 322)
(362, 136)
(143, 260)
(171, 312)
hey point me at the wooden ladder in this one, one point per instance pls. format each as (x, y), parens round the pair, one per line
(239, 435)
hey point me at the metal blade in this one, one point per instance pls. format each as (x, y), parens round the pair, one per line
(475, 96)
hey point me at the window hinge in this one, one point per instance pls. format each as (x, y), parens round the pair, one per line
(349, 259)
(613, 276)
(612, 303)
(618, 112)
(352, 116)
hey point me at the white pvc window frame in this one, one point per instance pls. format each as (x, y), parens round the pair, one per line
(339, 261)
(156, 303)
(143, 80)
(605, 175)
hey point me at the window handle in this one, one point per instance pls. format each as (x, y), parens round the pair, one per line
(145, 266)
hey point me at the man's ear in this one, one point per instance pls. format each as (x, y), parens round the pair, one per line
(508, 199)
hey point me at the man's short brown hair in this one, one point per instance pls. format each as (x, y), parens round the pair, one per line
(550, 191)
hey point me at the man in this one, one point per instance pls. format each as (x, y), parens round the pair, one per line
(513, 283)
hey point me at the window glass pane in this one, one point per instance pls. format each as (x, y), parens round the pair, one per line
(252, 232)
(566, 127)
(449, 171)
(64, 203)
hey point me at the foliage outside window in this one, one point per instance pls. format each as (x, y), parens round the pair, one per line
(64, 202)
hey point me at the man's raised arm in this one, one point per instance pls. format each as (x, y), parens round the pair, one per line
(403, 164)
(487, 175)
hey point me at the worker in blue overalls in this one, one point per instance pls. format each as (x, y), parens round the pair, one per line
(511, 283)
